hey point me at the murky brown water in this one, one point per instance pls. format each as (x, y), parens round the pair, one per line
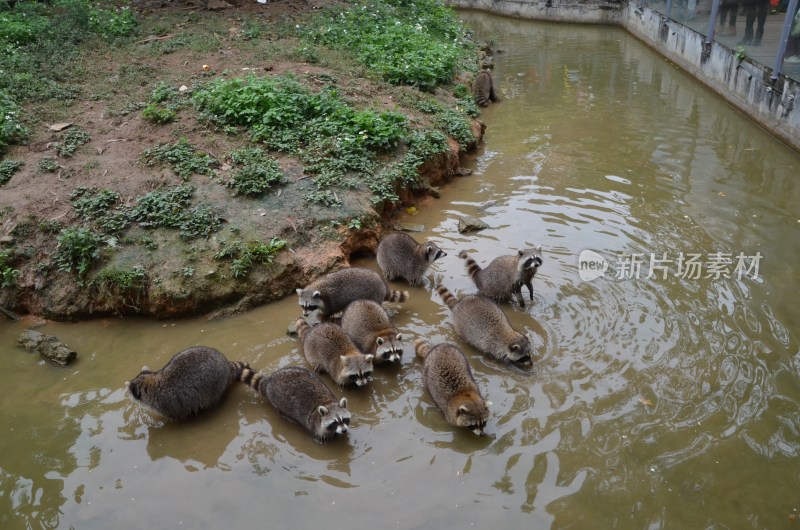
(667, 402)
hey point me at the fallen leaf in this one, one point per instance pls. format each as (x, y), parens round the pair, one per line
(645, 401)
(721, 194)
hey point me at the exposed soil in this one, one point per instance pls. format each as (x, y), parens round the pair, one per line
(183, 278)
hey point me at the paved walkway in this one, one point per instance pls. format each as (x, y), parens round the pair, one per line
(764, 53)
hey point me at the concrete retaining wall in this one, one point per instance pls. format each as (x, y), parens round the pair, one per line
(744, 83)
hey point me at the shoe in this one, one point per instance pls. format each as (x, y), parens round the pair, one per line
(794, 59)
(756, 42)
(745, 41)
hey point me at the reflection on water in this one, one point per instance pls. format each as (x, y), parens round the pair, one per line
(667, 401)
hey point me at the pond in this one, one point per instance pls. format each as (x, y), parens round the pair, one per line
(664, 393)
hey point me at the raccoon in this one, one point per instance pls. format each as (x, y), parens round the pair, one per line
(505, 275)
(331, 293)
(328, 349)
(369, 327)
(448, 378)
(300, 396)
(193, 380)
(400, 256)
(482, 324)
(483, 88)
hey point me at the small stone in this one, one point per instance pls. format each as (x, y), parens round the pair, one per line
(48, 346)
(409, 228)
(470, 224)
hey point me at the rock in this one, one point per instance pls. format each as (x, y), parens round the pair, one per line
(48, 346)
(470, 224)
(7, 240)
(409, 228)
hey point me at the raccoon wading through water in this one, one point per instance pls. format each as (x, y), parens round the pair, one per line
(331, 293)
(483, 88)
(505, 275)
(400, 256)
(300, 396)
(327, 348)
(193, 380)
(482, 324)
(447, 376)
(369, 327)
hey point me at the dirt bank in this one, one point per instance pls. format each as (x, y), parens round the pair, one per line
(157, 272)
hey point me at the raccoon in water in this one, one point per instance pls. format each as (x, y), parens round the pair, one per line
(300, 395)
(447, 376)
(332, 292)
(193, 380)
(400, 257)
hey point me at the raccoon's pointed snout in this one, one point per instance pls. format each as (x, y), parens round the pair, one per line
(479, 431)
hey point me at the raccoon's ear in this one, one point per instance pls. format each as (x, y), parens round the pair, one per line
(145, 370)
(488, 404)
(514, 347)
(316, 294)
(380, 341)
(463, 409)
(369, 358)
(343, 358)
(399, 337)
(539, 248)
(299, 292)
(322, 410)
(343, 403)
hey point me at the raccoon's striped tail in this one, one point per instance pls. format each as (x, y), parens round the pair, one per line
(422, 348)
(253, 379)
(472, 266)
(395, 296)
(302, 327)
(448, 298)
(237, 368)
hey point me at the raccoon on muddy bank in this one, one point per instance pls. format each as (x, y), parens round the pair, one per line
(482, 324)
(332, 292)
(328, 349)
(193, 380)
(401, 257)
(300, 396)
(368, 326)
(505, 275)
(447, 376)
(483, 88)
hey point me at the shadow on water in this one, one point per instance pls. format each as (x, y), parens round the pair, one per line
(659, 397)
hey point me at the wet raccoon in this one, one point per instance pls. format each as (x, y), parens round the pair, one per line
(483, 88)
(300, 396)
(369, 327)
(400, 256)
(505, 275)
(482, 324)
(331, 293)
(448, 378)
(328, 349)
(193, 380)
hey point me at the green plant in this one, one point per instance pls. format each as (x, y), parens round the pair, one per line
(162, 207)
(48, 164)
(184, 159)
(7, 170)
(51, 226)
(255, 172)
(244, 256)
(112, 23)
(199, 221)
(154, 113)
(78, 249)
(91, 203)
(413, 42)
(8, 274)
(12, 131)
(741, 54)
(121, 280)
(72, 140)
(324, 197)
